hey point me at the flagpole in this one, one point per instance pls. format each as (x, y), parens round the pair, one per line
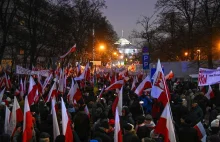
(93, 35)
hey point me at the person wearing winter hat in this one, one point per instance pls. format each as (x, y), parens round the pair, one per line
(101, 132)
(141, 129)
(149, 122)
(214, 136)
(129, 133)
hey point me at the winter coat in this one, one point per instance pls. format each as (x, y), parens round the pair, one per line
(195, 115)
(130, 137)
(147, 105)
(82, 125)
(143, 131)
(213, 138)
(100, 133)
(187, 134)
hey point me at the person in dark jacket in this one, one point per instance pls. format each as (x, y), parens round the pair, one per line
(126, 116)
(101, 132)
(195, 115)
(130, 134)
(187, 133)
(141, 129)
(82, 124)
(214, 136)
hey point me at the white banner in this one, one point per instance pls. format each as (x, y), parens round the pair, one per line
(21, 70)
(208, 76)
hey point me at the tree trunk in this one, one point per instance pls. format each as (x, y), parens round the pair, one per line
(210, 63)
(3, 46)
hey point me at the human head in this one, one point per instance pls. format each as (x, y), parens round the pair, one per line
(44, 137)
(148, 119)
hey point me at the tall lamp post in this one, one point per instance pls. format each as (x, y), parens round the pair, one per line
(199, 56)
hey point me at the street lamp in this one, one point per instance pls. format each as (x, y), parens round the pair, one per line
(101, 47)
(186, 53)
(198, 54)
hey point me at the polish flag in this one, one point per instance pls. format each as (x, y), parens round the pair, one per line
(39, 85)
(117, 131)
(145, 84)
(66, 124)
(9, 82)
(28, 122)
(78, 70)
(46, 82)
(87, 111)
(56, 130)
(53, 92)
(21, 89)
(118, 102)
(133, 87)
(210, 93)
(113, 79)
(16, 117)
(170, 75)
(1, 94)
(7, 117)
(165, 125)
(31, 90)
(123, 74)
(202, 89)
(75, 93)
(61, 81)
(85, 74)
(36, 97)
(72, 49)
(159, 89)
(116, 85)
(200, 131)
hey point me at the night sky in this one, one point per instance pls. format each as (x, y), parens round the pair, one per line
(123, 14)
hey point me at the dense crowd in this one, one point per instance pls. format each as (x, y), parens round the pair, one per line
(139, 117)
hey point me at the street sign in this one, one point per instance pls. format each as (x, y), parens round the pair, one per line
(145, 58)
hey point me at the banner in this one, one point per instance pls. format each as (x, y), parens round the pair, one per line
(208, 76)
(21, 70)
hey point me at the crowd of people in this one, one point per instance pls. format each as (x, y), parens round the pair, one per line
(139, 118)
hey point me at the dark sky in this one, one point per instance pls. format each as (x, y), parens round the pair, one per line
(123, 14)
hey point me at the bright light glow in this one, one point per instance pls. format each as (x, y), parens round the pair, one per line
(102, 47)
(198, 50)
(115, 53)
(186, 53)
(121, 56)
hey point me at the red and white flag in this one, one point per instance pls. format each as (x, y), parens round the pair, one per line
(75, 93)
(28, 122)
(78, 70)
(16, 117)
(85, 74)
(52, 93)
(210, 93)
(46, 82)
(1, 94)
(145, 84)
(118, 102)
(31, 90)
(117, 131)
(72, 49)
(66, 124)
(165, 125)
(9, 82)
(21, 89)
(25, 85)
(200, 131)
(87, 111)
(159, 89)
(118, 84)
(39, 85)
(170, 75)
(133, 87)
(56, 130)
(36, 97)
(7, 117)
(61, 81)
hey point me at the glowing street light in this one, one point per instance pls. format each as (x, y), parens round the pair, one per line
(186, 53)
(102, 47)
(121, 56)
(115, 53)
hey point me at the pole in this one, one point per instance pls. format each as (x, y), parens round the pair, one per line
(93, 35)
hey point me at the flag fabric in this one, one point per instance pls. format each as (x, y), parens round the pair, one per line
(87, 111)
(39, 85)
(159, 89)
(118, 102)
(117, 131)
(56, 130)
(9, 82)
(100, 95)
(210, 93)
(31, 90)
(165, 125)
(61, 82)
(202, 89)
(66, 124)
(16, 117)
(28, 122)
(36, 97)
(170, 75)
(133, 86)
(72, 49)
(25, 85)
(145, 84)
(116, 85)
(7, 117)
(200, 131)
(75, 93)
(21, 89)
(78, 70)
(85, 74)
(1, 94)
(52, 93)
(46, 82)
